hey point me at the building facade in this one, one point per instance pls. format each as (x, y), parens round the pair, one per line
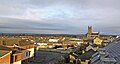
(91, 34)
(5, 57)
(22, 52)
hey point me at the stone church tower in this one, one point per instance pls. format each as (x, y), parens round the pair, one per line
(89, 29)
(91, 34)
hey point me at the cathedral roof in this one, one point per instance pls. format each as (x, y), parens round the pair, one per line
(95, 33)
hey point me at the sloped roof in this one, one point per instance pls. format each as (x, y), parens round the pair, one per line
(2, 53)
(88, 40)
(16, 41)
(95, 33)
(5, 48)
(24, 43)
(114, 51)
(87, 55)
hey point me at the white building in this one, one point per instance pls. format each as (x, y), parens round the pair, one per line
(53, 40)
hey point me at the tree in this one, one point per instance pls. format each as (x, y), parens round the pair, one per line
(4, 43)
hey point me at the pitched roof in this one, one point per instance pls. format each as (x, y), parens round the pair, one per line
(95, 33)
(24, 43)
(5, 48)
(16, 41)
(88, 40)
(2, 53)
(87, 55)
(114, 51)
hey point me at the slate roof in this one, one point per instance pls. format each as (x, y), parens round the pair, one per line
(2, 53)
(87, 55)
(16, 41)
(94, 33)
(114, 52)
(88, 40)
(5, 48)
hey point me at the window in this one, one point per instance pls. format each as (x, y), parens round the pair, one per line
(28, 53)
(16, 58)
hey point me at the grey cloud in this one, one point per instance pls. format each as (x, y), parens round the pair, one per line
(30, 25)
(60, 16)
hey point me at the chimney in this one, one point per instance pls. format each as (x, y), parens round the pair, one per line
(101, 49)
(103, 54)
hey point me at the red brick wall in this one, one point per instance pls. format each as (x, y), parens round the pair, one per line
(17, 57)
(27, 47)
(5, 60)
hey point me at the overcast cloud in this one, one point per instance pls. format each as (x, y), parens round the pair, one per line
(59, 16)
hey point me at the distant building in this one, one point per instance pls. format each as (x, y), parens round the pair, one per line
(97, 41)
(86, 41)
(91, 34)
(53, 40)
(94, 48)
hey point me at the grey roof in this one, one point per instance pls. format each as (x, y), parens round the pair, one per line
(114, 53)
(95, 59)
(108, 59)
(94, 55)
(5, 48)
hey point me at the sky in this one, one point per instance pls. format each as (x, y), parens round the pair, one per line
(59, 16)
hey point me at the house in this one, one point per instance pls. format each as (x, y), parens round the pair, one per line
(16, 57)
(76, 41)
(26, 47)
(74, 58)
(88, 41)
(91, 47)
(97, 41)
(53, 40)
(83, 58)
(5, 55)
(42, 45)
(109, 55)
(22, 50)
(86, 57)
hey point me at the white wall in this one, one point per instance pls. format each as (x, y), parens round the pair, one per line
(31, 52)
(25, 51)
(18, 62)
(53, 40)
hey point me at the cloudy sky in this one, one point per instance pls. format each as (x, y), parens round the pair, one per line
(59, 16)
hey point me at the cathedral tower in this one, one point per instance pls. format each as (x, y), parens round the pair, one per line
(89, 29)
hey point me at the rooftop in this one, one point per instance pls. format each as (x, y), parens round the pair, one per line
(5, 48)
(17, 41)
(114, 52)
(2, 53)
